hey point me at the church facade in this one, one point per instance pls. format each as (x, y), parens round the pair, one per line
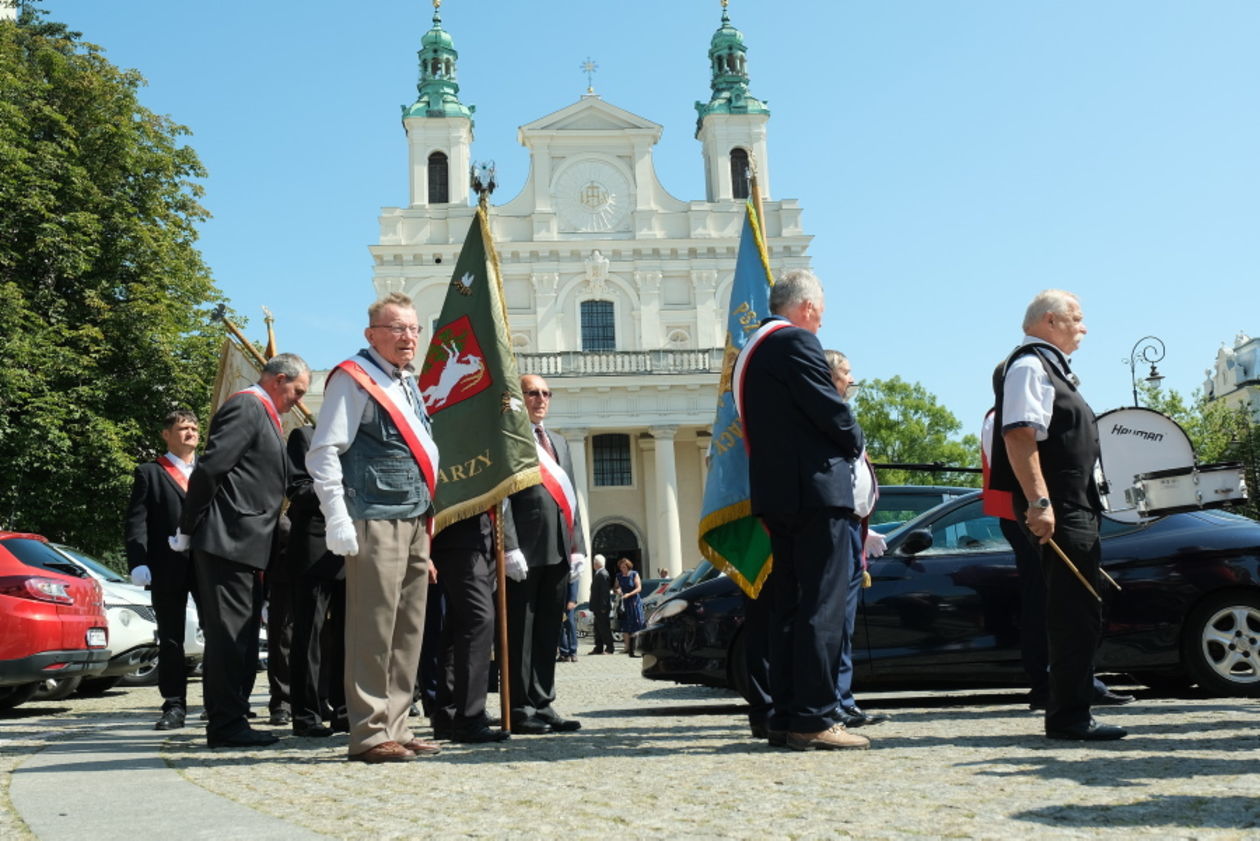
(616, 290)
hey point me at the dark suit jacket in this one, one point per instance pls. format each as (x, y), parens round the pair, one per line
(601, 591)
(307, 554)
(540, 528)
(802, 437)
(234, 494)
(152, 517)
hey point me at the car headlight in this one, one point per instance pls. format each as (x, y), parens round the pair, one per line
(673, 607)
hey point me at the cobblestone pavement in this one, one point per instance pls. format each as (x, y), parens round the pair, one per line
(656, 760)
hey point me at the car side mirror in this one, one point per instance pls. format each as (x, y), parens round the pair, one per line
(916, 542)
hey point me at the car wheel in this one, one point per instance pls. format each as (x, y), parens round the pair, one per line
(11, 696)
(146, 675)
(737, 666)
(618, 636)
(1221, 644)
(57, 688)
(94, 686)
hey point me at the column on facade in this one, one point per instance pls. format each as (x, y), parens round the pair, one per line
(576, 439)
(702, 444)
(667, 501)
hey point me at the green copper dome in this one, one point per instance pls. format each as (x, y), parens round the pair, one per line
(728, 66)
(438, 88)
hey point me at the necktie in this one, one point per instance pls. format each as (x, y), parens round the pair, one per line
(542, 439)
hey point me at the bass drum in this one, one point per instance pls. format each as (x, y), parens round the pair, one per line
(1134, 442)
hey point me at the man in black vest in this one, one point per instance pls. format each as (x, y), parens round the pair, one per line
(1045, 457)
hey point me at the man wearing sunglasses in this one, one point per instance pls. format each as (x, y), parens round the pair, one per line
(549, 531)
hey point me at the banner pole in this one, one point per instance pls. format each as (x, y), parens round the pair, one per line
(500, 606)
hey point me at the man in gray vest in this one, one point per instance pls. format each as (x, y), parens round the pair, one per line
(1045, 457)
(374, 463)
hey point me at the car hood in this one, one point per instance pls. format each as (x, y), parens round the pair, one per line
(118, 593)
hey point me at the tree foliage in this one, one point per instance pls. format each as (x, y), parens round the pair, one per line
(104, 299)
(904, 424)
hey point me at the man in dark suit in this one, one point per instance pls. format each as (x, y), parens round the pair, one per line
(601, 606)
(229, 521)
(318, 580)
(803, 442)
(157, 495)
(549, 530)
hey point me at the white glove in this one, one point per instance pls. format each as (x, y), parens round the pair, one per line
(179, 542)
(141, 577)
(340, 538)
(515, 566)
(576, 561)
(876, 545)
(262, 614)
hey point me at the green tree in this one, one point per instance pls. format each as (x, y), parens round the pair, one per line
(104, 299)
(905, 425)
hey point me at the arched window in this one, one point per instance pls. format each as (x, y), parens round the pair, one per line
(739, 173)
(599, 327)
(439, 184)
(615, 541)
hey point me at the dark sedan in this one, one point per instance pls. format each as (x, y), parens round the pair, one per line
(943, 608)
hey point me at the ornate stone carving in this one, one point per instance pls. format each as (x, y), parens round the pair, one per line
(596, 266)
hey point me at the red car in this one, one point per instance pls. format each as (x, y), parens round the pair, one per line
(52, 618)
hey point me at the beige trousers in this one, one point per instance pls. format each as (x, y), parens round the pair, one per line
(386, 587)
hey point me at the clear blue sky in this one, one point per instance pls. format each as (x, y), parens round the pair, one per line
(952, 157)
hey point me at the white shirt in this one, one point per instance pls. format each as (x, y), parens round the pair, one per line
(345, 403)
(185, 467)
(864, 489)
(1028, 398)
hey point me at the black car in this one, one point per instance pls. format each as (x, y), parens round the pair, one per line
(943, 608)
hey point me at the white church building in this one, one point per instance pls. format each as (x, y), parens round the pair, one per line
(616, 290)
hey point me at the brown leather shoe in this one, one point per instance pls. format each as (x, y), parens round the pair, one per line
(420, 748)
(834, 738)
(384, 752)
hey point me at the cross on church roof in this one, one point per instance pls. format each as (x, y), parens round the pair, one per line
(589, 67)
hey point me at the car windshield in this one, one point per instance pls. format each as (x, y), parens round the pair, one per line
(38, 554)
(94, 566)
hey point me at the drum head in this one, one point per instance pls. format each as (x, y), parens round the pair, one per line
(1135, 441)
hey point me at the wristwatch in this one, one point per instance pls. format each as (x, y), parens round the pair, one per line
(1042, 503)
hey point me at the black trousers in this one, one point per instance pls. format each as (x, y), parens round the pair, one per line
(757, 652)
(813, 564)
(467, 637)
(279, 643)
(231, 604)
(172, 584)
(603, 631)
(1073, 617)
(318, 675)
(534, 609)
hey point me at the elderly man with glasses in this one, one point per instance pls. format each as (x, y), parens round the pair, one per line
(549, 531)
(374, 465)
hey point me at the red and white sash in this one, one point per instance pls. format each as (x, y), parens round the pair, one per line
(421, 444)
(257, 391)
(557, 483)
(172, 469)
(741, 362)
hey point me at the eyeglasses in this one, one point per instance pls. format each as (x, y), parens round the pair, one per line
(399, 329)
(538, 392)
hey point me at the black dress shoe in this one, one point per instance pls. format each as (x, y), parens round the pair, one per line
(1112, 699)
(481, 735)
(556, 722)
(340, 725)
(315, 731)
(857, 717)
(172, 719)
(1092, 732)
(530, 727)
(443, 731)
(244, 739)
(279, 718)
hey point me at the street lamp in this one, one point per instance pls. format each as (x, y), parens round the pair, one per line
(1149, 349)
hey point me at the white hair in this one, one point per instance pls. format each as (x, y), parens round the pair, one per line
(1048, 301)
(793, 288)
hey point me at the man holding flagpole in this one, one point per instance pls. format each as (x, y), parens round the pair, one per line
(802, 443)
(549, 531)
(374, 464)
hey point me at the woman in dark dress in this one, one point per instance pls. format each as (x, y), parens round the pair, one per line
(630, 586)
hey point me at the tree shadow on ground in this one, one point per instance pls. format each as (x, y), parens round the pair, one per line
(1177, 810)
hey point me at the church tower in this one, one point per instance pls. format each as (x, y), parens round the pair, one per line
(438, 125)
(732, 124)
